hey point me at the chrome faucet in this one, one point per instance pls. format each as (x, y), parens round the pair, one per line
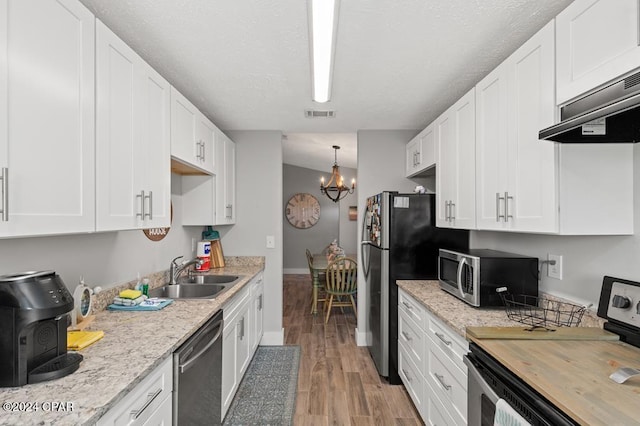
(175, 270)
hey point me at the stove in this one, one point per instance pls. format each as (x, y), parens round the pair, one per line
(559, 382)
(620, 305)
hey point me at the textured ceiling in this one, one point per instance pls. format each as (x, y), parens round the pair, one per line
(398, 63)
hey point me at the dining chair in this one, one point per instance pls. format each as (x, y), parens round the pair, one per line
(320, 294)
(341, 281)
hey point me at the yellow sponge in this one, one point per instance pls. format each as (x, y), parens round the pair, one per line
(130, 294)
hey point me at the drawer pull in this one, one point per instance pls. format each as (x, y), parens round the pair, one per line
(407, 305)
(150, 398)
(407, 375)
(406, 336)
(442, 382)
(441, 337)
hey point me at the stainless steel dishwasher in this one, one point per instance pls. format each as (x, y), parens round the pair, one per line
(197, 376)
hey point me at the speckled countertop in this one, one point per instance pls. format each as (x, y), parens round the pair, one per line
(134, 344)
(460, 315)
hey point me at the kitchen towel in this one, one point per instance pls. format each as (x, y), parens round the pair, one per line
(77, 339)
(507, 416)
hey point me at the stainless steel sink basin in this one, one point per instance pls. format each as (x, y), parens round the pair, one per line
(208, 279)
(188, 291)
(196, 287)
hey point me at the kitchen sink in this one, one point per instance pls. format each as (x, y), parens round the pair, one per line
(196, 287)
(208, 279)
(189, 291)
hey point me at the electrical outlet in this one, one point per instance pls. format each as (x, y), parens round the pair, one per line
(271, 241)
(554, 271)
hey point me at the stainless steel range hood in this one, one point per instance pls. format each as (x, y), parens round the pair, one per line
(609, 115)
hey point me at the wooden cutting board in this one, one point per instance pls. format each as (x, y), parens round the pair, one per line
(522, 333)
(574, 376)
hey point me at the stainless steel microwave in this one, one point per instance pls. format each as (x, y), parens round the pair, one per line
(474, 276)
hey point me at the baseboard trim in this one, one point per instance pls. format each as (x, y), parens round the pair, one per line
(272, 338)
(361, 338)
(295, 271)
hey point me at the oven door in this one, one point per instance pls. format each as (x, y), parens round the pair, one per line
(487, 379)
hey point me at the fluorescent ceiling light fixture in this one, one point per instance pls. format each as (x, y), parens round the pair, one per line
(322, 20)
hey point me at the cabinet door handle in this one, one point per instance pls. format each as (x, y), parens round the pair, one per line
(229, 211)
(442, 382)
(441, 337)
(406, 336)
(5, 194)
(260, 302)
(141, 196)
(407, 305)
(498, 215)
(204, 152)
(407, 375)
(242, 329)
(507, 197)
(446, 211)
(150, 198)
(452, 211)
(150, 397)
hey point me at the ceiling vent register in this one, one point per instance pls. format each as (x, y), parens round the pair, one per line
(315, 113)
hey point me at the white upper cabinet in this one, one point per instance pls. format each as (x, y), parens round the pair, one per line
(133, 180)
(226, 180)
(210, 200)
(455, 171)
(421, 152)
(47, 106)
(191, 142)
(516, 179)
(596, 41)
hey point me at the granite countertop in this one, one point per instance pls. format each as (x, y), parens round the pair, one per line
(460, 315)
(134, 344)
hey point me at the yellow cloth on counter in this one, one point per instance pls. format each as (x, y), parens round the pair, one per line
(77, 340)
(130, 294)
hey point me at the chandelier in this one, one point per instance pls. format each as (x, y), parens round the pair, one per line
(335, 188)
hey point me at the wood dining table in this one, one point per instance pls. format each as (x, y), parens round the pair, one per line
(319, 267)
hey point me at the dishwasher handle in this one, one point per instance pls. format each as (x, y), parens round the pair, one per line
(184, 367)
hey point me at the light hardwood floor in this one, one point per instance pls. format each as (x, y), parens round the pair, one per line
(337, 383)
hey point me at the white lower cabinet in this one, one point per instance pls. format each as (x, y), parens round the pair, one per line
(239, 337)
(430, 364)
(149, 403)
(257, 308)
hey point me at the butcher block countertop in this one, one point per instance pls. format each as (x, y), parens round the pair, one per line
(574, 376)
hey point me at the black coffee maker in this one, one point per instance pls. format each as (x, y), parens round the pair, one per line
(34, 311)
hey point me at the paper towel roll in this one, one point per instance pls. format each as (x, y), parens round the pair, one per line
(204, 249)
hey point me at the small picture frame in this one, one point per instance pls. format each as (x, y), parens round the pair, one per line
(353, 212)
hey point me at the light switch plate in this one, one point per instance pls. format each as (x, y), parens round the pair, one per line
(271, 241)
(554, 271)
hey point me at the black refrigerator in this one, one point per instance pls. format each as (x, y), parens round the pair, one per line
(400, 241)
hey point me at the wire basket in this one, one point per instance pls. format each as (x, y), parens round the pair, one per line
(541, 312)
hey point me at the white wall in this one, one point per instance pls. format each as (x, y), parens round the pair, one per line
(381, 167)
(105, 259)
(259, 213)
(348, 228)
(585, 259)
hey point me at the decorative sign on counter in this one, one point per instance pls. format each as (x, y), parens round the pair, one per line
(157, 234)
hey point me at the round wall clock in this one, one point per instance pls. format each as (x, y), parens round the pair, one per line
(303, 210)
